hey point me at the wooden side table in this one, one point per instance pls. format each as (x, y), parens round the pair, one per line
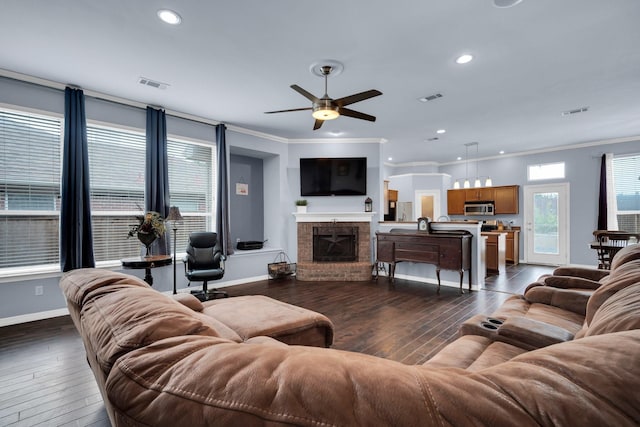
(147, 262)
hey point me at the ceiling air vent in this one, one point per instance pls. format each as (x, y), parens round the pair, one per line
(433, 138)
(575, 111)
(430, 97)
(148, 82)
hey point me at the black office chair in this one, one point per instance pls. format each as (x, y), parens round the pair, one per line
(204, 262)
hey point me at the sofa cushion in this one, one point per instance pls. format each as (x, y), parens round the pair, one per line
(119, 322)
(572, 299)
(623, 276)
(78, 284)
(621, 312)
(517, 305)
(473, 352)
(587, 382)
(624, 255)
(254, 315)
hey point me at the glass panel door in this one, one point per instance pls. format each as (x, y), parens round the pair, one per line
(546, 228)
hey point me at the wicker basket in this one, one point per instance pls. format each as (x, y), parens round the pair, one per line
(281, 267)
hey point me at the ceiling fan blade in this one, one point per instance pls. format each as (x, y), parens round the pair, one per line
(304, 93)
(287, 111)
(355, 114)
(317, 124)
(357, 97)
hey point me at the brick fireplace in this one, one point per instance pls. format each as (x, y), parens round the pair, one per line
(335, 259)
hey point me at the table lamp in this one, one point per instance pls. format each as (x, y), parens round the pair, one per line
(174, 217)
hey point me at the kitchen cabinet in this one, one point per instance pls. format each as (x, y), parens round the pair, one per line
(506, 199)
(481, 194)
(512, 250)
(455, 202)
(495, 251)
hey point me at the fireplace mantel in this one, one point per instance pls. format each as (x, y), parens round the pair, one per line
(334, 216)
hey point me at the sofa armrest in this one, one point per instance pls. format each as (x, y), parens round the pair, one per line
(522, 332)
(585, 273)
(568, 299)
(532, 333)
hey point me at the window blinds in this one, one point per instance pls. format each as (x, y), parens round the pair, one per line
(191, 186)
(30, 147)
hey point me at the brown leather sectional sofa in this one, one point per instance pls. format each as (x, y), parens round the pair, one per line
(544, 359)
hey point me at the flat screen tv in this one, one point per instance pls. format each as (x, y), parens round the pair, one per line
(346, 176)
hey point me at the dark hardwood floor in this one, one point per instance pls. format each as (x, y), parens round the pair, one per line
(45, 380)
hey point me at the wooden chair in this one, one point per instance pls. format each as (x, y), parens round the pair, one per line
(609, 242)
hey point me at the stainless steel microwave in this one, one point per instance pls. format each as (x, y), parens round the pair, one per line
(479, 208)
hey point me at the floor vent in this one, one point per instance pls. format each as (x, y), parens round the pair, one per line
(148, 82)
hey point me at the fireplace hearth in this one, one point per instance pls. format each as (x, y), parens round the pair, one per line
(335, 244)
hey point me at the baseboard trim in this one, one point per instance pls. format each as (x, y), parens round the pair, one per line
(32, 317)
(434, 281)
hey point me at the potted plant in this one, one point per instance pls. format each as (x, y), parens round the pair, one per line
(301, 205)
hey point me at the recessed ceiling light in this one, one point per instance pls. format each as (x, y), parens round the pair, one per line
(501, 151)
(505, 3)
(459, 158)
(463, 59)
(390, 158)
(169, 16)
(335, 132)
(441, 131)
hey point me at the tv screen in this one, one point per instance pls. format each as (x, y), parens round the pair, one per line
(333, 176)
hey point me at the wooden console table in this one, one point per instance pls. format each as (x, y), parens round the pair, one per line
(449, 250)
(147, 262)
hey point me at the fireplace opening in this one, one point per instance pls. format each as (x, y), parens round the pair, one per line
(335, 244)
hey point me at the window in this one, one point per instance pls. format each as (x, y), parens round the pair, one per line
(191, 186)
(30, 147)
(545, 171)
(626, 178)
(30, 171)
(116, 167)
(117, 193)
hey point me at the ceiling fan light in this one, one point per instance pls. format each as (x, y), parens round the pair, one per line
(325, 114)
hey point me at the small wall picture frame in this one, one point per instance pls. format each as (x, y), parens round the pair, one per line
(242, 189)
(423, 224)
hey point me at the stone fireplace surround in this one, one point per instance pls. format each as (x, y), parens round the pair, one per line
(356, 271)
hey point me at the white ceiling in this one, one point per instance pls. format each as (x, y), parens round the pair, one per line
(233, 60)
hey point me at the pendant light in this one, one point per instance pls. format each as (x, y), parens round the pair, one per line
(477, 183)
(466, 165)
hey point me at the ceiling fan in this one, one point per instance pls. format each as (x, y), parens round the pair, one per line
(326, 108)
